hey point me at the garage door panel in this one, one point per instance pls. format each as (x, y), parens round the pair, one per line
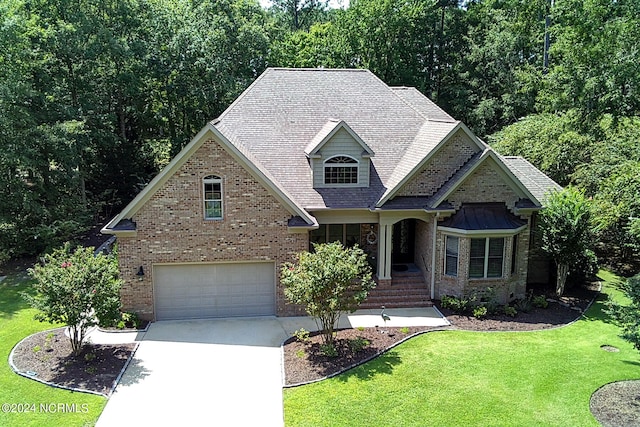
(214, 290)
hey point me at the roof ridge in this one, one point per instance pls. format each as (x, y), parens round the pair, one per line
(393, 90)
(244, 93)
(318, 69)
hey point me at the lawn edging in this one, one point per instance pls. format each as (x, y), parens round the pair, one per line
(450, 327)
(362, 362)
(28, 375)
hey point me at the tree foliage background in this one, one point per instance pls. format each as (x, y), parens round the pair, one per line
(95, 97)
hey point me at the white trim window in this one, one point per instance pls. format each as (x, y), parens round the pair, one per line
(451, 256)
(212, 186)
(341, 170)
(486, 257)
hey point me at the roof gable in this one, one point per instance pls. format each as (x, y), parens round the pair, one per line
(488, 157)
(331, 128)
(243, 157)
(420, 154)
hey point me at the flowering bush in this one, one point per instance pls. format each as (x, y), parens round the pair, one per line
(77, 288)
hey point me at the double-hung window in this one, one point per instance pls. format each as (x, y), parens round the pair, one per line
(451, 258)
(486, 257)
(212, 197)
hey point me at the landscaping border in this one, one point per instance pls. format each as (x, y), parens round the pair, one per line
(55, 385)
(435, 329)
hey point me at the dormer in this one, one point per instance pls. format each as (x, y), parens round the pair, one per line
(339, 157)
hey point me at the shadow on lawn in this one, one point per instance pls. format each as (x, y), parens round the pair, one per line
(382, 365)
(598, 310)
(11, 300)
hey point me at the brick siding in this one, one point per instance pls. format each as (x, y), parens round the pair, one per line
(440, 167)
(171, 227)
(485, 185)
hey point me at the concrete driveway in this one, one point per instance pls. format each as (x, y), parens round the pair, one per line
(219, 372)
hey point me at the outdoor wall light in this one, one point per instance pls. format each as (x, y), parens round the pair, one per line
(140, 273)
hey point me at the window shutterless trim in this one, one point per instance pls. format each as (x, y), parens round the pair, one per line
(340, 170)
(213, 204)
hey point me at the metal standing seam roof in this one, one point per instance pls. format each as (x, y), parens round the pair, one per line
(492, 216)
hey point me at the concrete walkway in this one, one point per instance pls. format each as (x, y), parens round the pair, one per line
(221, 372)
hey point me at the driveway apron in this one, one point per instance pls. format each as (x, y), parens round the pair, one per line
(217, 372)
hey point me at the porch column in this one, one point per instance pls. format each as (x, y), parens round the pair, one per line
(385, 245)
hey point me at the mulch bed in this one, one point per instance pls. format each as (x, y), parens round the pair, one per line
(615, 404)
(305, 363)
(48, 355)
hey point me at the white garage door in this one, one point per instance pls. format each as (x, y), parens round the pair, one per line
(192, 291)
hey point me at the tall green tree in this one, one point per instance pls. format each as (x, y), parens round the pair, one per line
(594, 63)
(566, 232)
(300, 14)
(552, 142)
(628, 316)
(501, 70)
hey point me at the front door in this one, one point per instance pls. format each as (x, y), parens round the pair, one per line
(404, 241)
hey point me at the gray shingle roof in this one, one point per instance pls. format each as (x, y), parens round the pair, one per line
(287, 112)
(279, 116)
(538, 184)
(422, 104)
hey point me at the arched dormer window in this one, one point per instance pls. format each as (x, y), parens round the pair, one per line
(212, 197)
(341, 170)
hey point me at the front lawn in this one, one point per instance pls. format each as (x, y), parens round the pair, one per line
(26, 402)
(458, 378)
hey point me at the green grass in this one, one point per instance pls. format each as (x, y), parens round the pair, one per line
(457, 378)
(16, 322)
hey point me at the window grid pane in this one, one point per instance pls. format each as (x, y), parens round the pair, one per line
(476, 268)
(476, 258)
(341, 175)
(486, 257)
(335, 233)
(477, 248)
(451, 259)
(212, 197)
(213, 209)
(494, 267)
(319, 235)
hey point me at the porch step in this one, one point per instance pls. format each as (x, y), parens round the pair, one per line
(406, 291)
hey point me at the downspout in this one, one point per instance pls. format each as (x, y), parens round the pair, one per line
(433, 256)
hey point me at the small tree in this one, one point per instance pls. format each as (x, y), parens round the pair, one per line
(329, 281)
(76, 288)
(567, 233)
(628, 316)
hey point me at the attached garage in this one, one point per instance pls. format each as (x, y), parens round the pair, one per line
(193, 291)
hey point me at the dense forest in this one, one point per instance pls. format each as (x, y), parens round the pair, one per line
(96, 96)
